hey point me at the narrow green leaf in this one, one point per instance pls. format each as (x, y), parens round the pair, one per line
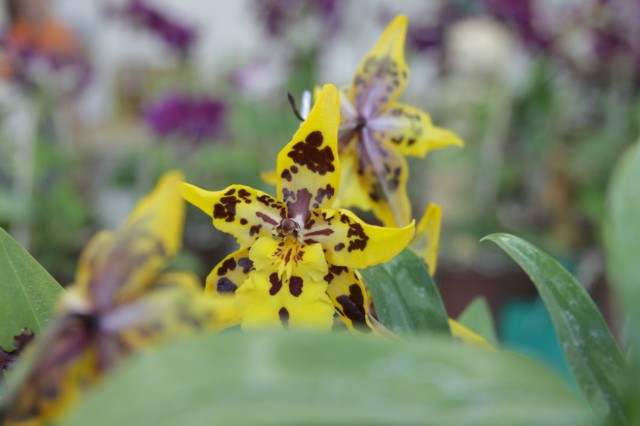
(622, 245)
(591, 351)
(27, 292)
(477, 317)
(407, 300)
(333, 378)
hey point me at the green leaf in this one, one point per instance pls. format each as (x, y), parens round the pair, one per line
(333, 378)
(622, 245)
(591, 351)
(406, 299)
(27, 292)
(477, 317)
(622, 232)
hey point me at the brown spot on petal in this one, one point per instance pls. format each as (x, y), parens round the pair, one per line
(245, 195)
(254, 230)
(338, 246)
(295, 286)
(286, 175)
(360, 240)
(276, 284)
(353, 307)
(226, 208)
(284, 316)
(326, 192)
(308, 154)
(246, 264)
(225, 285)
(266, 218)
(228, 265)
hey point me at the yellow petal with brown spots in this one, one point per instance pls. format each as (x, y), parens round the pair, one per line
(239, 210)
(229, 274)
(308, 169)
(382, 75)
(411, 131)
(383, 175)
(350, 298)
(348, 241)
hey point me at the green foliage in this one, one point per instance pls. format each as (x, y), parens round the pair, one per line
(622, 243)
(333, 378)
(27, 292)
(622, 233)
(591, 351)
(406, 299)
(477, 317)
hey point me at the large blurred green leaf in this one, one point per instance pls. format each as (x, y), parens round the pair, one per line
(591, 351)
(622, 244)
(477, 317)
(27, 292)
(334, 378)
(407, 300)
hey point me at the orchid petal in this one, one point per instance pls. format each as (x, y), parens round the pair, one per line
(174, 306)
(350, 297)
(348, 241)
(351, 192)
(383, 174)
(241, 211)
(308, 169)
(427, 238)
(382, 75)
(229, 274)
(411, 131)
(117, 266)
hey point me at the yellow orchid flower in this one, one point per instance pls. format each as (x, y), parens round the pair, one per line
(297, 254)
(120, 302)
(376, 132)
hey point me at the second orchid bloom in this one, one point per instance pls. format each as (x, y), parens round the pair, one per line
(295, 265)
(376, 131)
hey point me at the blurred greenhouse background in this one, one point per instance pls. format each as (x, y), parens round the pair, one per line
(98, 98)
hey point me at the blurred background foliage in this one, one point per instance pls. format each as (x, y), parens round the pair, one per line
(99, 98)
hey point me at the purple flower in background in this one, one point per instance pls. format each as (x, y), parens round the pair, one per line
(194, 118)
(277, 15)
(616, 36)
(523, 17)
(177, 36)
(425, 36)
(32, 68)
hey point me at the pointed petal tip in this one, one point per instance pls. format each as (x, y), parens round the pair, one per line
(172, 176)
(197, 197)
(399, 20)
